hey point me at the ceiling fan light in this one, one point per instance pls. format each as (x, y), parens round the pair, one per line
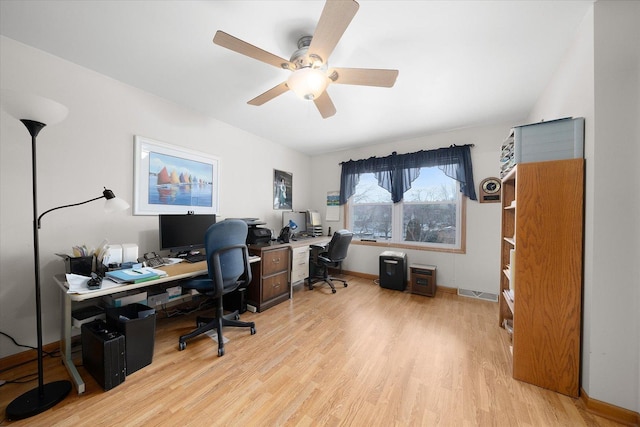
(308, 83)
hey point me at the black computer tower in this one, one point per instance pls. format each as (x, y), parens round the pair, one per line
(393, 270)
(235, 300)
(103, 354)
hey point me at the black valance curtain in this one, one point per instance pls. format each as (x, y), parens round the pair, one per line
(396, 172)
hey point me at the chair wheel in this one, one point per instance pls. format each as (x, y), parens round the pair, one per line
(220, 352)
(253, 331)
(333, 291)
(182, 346)
(237, 317)
(345, 285)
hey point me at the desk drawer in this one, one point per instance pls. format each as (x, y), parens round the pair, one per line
(299, 274)
(275, 286)
(275, 261)
(299, 264)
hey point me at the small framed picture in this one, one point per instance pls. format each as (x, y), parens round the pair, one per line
(282, 189)
(168, 179)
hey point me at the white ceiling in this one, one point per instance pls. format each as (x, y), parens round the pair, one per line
(461, 63)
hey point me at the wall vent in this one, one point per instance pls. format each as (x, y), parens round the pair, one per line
(477, 294)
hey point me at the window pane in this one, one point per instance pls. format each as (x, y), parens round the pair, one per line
(433, 222)
(432, 186)
(371, 217)
(368, 191)
(372, 221)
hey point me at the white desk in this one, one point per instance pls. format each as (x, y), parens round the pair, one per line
(174, 272)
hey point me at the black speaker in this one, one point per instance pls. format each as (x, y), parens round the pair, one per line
(103, 354)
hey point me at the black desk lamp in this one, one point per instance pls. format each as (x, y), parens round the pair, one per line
(33, 111)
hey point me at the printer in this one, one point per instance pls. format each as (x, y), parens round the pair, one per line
(257, 235)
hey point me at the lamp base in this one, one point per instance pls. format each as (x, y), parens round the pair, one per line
(32, 403)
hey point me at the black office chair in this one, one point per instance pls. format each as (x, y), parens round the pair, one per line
(228, 265)
(332, 255)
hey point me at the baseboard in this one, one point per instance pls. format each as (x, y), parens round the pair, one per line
(27, 356)
(609, 411)
(372, 277)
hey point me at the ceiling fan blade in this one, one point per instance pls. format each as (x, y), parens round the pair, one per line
(363, 76)
(233, 43)
(270, 94)
(334, 20)
(325, 105)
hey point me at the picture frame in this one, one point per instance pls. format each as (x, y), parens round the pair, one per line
(282, 189)
(168, 179)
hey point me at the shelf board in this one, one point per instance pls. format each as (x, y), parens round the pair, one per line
(508, 300)
(507, 273)
(510, 240)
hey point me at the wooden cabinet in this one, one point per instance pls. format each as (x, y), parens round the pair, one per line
(270, 277)
(541, 271)
(422, 280)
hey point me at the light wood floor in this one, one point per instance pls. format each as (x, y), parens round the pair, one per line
(365, 356)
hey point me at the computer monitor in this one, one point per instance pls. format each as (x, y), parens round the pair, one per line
(183, 233)
(299, 218)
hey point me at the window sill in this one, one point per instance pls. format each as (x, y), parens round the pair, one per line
(408, 246)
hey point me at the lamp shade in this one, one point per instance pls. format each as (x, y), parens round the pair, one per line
(114, 205)
(25, 106)
(308, 83)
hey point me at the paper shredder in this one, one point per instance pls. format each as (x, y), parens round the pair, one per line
(393, 270)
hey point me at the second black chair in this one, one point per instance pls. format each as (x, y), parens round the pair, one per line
(228, 265)
(332, 255)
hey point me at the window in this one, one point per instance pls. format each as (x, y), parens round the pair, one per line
(410, 200)
(428, 216)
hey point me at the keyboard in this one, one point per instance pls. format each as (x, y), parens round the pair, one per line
(195, 258)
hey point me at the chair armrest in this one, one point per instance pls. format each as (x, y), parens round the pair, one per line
(325, 260)
(316, 251)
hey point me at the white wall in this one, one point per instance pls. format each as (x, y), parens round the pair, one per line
(93, 148)
(614, 358)
(600, 80)
(479, 268)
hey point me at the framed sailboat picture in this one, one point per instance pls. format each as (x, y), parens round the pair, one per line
(173, 180)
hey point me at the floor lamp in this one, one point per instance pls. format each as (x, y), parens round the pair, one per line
(34, 111)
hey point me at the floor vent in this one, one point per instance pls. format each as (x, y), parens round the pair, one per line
(477, 294)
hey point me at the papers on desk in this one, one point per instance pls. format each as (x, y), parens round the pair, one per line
(77, 284)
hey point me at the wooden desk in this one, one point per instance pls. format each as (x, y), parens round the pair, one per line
(272, 280)
(175, 272)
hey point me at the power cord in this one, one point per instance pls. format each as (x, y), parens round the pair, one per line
(33, 376)
(50, 354)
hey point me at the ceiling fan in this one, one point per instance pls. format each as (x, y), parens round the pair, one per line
(309, 64)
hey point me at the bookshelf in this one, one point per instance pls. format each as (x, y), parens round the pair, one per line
(541, 267)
